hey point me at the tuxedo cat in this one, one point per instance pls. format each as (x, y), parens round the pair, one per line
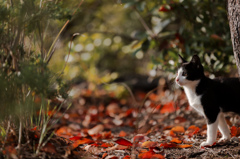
(209, 97)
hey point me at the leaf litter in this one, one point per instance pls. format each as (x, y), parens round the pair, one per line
(100, 125)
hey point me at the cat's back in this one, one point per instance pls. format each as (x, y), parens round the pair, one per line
(232, 83)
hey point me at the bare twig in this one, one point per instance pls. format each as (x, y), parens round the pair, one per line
(53, 46)
(144, 24)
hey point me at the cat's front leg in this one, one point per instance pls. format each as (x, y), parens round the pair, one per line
(211, 134)
(223, 127)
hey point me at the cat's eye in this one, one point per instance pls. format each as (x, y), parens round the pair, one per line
(184, 74)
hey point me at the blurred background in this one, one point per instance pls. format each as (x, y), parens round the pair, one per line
(48, 46)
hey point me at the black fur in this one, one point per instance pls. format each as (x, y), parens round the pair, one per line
(218, 94)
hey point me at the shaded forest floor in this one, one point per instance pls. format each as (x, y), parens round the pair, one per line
(99, 125)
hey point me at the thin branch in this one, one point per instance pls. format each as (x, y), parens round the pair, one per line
(144, 24)
(53, 46)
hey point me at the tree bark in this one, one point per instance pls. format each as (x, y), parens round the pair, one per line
(234, 23)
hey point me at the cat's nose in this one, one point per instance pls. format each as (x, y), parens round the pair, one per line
(177, 79)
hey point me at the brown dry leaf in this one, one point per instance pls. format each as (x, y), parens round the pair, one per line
(140, 138)
(93, 150)
(50, 148)
(113, 109)
(96, 130)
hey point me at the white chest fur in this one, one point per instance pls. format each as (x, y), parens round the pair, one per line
(193, 99)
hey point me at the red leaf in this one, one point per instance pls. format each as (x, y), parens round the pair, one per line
(124, 142)
(127, 157)
(80, 142)
(34, 129)
(168, 145)
(75, 138)
(233, 131)
(106, 145)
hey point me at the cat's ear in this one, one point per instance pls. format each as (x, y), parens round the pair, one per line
(196, 60)
(182, 60)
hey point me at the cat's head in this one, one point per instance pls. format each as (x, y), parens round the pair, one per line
(189, 72)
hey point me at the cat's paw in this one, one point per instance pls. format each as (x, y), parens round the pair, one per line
(224, 139)
(207, 144)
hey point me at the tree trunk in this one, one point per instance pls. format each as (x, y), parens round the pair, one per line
(234, 23)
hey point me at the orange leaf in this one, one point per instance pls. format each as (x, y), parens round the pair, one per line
(192, 130)
(122, 134)
(80, 142)
(148, 154)
(104, 155)
(171, 133)
(153, 97)
(233, 131)
(124, 142)
(176, 140)
(179, 129)
(184, 146)
(149, 144)
(168, 108)
(168, 145)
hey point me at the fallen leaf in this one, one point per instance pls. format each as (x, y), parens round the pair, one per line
(122, 134)
(176, 140)
(123, 142)
(80, 142)
(192, 130)
(184, 146)
(149, 144)
(178, 129)
(93, 150)
(96, 130)
(168, 108)
(104, 155)
(145, 155)
(168, 145)
(127, 157)
(233, 131)
(50, 148)
(106, 145)
(107, 135)
(75, 138)
(140, 138)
